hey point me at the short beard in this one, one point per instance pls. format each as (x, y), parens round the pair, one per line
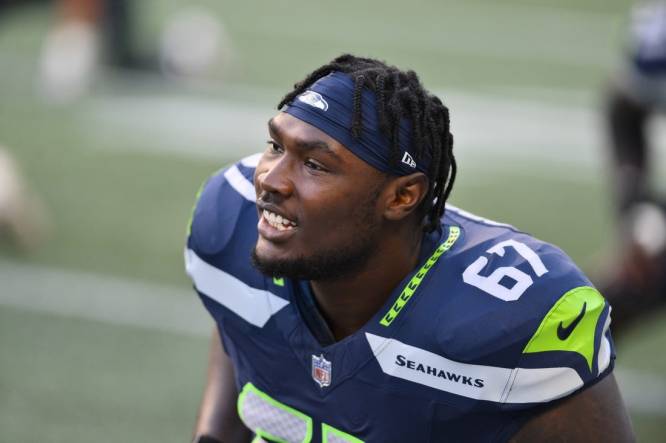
(326, 266)
(337, 263)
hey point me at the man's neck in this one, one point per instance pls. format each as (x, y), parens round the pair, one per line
(349, 303)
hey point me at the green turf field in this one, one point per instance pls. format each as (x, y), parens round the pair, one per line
(100, 337)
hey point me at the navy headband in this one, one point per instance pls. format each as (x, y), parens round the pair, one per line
(328, 106)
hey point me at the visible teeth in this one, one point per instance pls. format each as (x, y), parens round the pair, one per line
(277, 221)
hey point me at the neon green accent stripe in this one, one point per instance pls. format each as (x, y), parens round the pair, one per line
(249, 387)
(413, 284)
(327, 430)
(194, 206)
(562, 315)
(278, 281)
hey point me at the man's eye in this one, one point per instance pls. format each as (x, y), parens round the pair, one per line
(313, 165)
(274, 147)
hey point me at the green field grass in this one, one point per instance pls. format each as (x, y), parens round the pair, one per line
(119, 201)
(65, 379)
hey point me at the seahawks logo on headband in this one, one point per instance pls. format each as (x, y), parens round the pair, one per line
(313, 99)
(371, 146)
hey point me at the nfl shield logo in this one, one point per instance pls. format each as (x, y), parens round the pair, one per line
(321, 370)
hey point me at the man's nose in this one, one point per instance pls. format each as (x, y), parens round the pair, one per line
(276, 177)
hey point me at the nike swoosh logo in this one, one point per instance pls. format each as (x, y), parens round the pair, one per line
(564, 333)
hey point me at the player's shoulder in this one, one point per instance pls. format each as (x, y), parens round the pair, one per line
(224, 208)
(223, 229)
(509, 264)
(514, 301)
(221, 237)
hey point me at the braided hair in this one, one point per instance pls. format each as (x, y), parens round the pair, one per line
(400, 95)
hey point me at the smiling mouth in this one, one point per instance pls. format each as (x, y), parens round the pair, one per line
(277, 221)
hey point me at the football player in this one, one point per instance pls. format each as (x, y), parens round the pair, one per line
(87, 31)
(635, 282)
(353, 305)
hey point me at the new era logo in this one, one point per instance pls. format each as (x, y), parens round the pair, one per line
(408, 160)
(313, 99)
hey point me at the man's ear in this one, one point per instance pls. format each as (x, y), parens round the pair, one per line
(404, 194)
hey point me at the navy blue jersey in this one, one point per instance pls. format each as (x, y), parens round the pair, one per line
(648, 37)
(489, 327)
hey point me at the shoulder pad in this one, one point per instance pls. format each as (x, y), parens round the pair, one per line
(225, 199)
(529, 307)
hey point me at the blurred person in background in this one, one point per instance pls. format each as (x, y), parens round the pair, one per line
(635, 280)
(89, 34)
(94, 32)
(86, 34)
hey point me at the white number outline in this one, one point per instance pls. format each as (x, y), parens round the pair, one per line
(491, 285)
(327, 430)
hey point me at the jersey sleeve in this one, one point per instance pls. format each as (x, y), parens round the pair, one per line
(568, 345)
(529, 310)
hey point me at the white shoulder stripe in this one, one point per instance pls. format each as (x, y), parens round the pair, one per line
(500, 385)
(603, 359)
(475, 217)
(240, 183)
(251, 161)
(542, 385)
(253, 305)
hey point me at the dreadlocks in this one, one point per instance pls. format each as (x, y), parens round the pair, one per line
(400, 95)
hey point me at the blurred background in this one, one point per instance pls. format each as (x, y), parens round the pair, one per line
(111, 116)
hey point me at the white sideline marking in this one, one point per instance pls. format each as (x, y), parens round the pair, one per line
(106, 299)
(124, 302)
(522, 134)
